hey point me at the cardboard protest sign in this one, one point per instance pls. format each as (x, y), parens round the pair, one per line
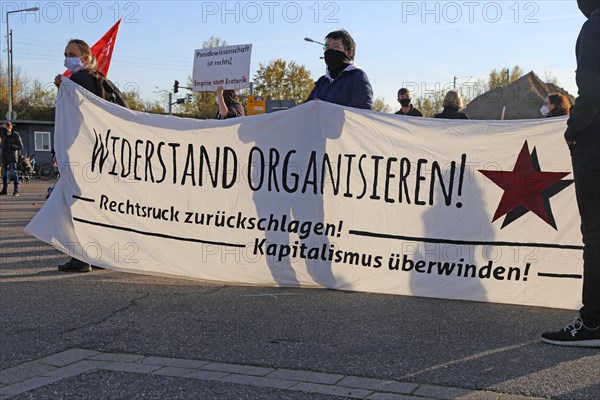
(227, 66)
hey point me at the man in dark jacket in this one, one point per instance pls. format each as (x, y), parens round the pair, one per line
(11, 145)
(404, 98)
(343, 83)
(583, 137)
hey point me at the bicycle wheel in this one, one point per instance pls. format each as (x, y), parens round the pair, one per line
(24, 173)
(36, 171)
(46, 172)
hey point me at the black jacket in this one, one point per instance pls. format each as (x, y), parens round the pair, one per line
(100, 86)
(414, 112)
(11, 145)
(451, 113)
(585, 113)
(87, 80)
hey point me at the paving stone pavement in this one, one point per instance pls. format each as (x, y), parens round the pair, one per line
(70, 363)
(110, 335)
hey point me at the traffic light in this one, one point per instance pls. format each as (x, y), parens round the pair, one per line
(189, 98)
(176, 86)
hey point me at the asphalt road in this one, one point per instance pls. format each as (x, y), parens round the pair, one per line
(492, 350)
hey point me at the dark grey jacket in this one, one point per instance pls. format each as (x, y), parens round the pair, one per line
(11, 145)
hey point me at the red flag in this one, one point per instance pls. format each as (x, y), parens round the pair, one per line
(103, 49)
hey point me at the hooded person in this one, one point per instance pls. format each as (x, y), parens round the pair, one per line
(229, 107)
(343, 83)
(583, 138)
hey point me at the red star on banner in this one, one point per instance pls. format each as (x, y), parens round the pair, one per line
(527, 188)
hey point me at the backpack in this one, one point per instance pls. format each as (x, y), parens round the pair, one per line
(109, 92)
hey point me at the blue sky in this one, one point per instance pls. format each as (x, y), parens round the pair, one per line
(422, 44)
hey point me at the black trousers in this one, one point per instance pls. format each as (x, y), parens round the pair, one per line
(585, 156)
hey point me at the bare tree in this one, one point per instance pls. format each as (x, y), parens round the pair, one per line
(31, 99)
(550, 78)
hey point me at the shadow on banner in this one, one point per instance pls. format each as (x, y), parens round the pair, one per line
(278, 183)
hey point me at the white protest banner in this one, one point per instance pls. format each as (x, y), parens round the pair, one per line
(320, 195)
(227, 66)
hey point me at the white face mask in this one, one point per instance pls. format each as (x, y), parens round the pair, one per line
(544, 110)
(73, 64)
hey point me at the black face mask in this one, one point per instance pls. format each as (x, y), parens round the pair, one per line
(588, 6)
(336, 62)
(405, 102)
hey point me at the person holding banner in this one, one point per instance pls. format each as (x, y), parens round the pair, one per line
(583, 138)
(82, 65)
(343, 83)
(228, 106)
(80, 61)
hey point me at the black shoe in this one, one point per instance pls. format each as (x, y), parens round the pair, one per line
(3, 192)
(74, 265)
(575, 334)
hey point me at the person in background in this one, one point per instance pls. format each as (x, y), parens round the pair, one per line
(343, 83)
(404, 98)
(583, 138)
(555, 105)
(53, 158)
(229, 107)
(452, 104)
(11, 144)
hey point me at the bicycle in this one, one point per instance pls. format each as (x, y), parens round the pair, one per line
(27, 168)
(35, 168)
(49, 171)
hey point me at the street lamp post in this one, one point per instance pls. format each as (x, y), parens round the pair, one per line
(9, 114)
